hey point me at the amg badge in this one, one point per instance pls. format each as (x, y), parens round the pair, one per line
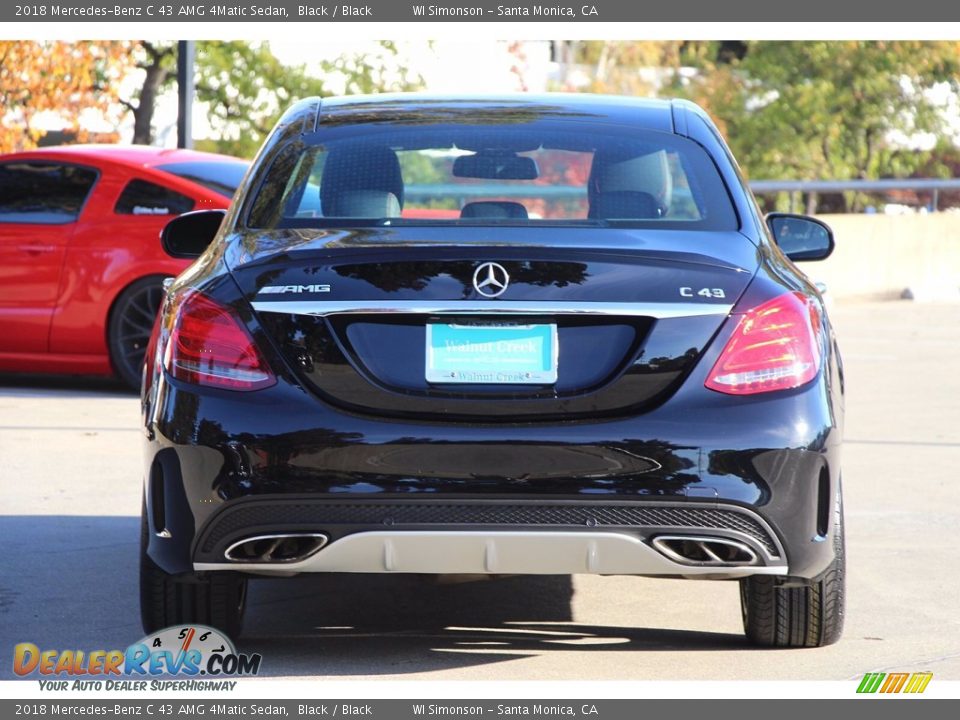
(281, 289)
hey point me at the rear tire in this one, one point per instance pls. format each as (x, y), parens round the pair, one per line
(798, 612)
(217, 599)
(131, 323)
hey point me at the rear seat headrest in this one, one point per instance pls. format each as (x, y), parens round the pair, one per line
(494, 209)
(624, 205)
(359, 168)
(362, 204)
(613, 172)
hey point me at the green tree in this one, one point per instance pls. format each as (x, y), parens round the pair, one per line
(158, 62)
(373, 70)
(837, 110)
(616, 66)
(247, 88)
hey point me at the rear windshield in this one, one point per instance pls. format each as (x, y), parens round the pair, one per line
(221, 177)
(562, 174)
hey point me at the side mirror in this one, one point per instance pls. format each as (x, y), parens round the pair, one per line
(801, 237)
(187, 236)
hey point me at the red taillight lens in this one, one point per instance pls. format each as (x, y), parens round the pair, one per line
(209, 346)
(776, 346)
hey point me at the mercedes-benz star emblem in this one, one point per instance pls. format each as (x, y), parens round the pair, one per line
(491, 280)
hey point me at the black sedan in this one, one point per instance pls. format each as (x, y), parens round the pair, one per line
(523, 335)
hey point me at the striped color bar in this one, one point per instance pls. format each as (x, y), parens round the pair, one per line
(918, 682)
(895, 682)
(871, 682)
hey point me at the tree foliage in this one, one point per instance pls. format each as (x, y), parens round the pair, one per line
(790, 110)
(158, 62)
(836, 110)
(618, 67)
(247, 88)
(800, 110)
(375, 69)
(68, 79)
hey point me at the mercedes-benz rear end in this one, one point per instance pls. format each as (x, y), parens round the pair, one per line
(522, 336)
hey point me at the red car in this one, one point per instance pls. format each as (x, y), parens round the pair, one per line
(81, 265)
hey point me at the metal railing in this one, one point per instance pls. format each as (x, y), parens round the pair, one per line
(931, 185)
(468, 191)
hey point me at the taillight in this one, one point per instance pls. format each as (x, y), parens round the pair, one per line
(776, 346)
(208, 346)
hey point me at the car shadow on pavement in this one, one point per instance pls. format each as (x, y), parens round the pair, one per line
(70, 582)
(338, 625)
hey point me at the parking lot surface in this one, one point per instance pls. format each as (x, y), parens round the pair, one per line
(70, 474)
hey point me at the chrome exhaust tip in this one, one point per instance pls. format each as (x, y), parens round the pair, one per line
(279, 548)
(697, 550)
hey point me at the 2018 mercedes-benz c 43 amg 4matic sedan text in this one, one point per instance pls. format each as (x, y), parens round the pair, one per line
(522, 335)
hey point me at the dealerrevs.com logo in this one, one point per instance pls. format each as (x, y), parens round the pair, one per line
(186, 650)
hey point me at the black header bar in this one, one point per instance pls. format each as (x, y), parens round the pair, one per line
(563, 11)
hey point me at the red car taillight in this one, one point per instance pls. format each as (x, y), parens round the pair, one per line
(208, 346)
(776, 346)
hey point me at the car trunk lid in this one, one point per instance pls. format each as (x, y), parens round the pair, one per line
(361, 317)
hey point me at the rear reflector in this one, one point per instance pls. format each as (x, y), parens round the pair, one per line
(209, 346)
(776, 346)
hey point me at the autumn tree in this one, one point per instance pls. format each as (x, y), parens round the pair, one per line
(68, 79)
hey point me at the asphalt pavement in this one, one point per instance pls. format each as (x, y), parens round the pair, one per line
(70, 474)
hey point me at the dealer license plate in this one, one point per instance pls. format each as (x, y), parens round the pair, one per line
(492, 353)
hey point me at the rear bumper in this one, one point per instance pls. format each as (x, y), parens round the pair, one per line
(762, 471)
(340, 518)
(480, 535)
(542, 552)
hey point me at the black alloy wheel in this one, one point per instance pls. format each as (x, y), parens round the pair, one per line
(131, 323)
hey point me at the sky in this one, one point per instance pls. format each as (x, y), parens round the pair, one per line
(447, 66)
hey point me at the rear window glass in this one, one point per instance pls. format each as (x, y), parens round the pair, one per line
(43, 193)
(593, 175)
(141, 197)
(221, 177)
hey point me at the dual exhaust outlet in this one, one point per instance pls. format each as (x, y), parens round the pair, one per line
(285, 548)
(682, 549)
(694, 550)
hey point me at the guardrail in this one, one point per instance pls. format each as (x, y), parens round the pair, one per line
(759, 187)
(931, 185)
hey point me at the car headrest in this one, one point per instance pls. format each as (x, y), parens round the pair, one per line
(494, 209)
(624, 205)
(367, 168)
(362, 204)
(648, 173)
